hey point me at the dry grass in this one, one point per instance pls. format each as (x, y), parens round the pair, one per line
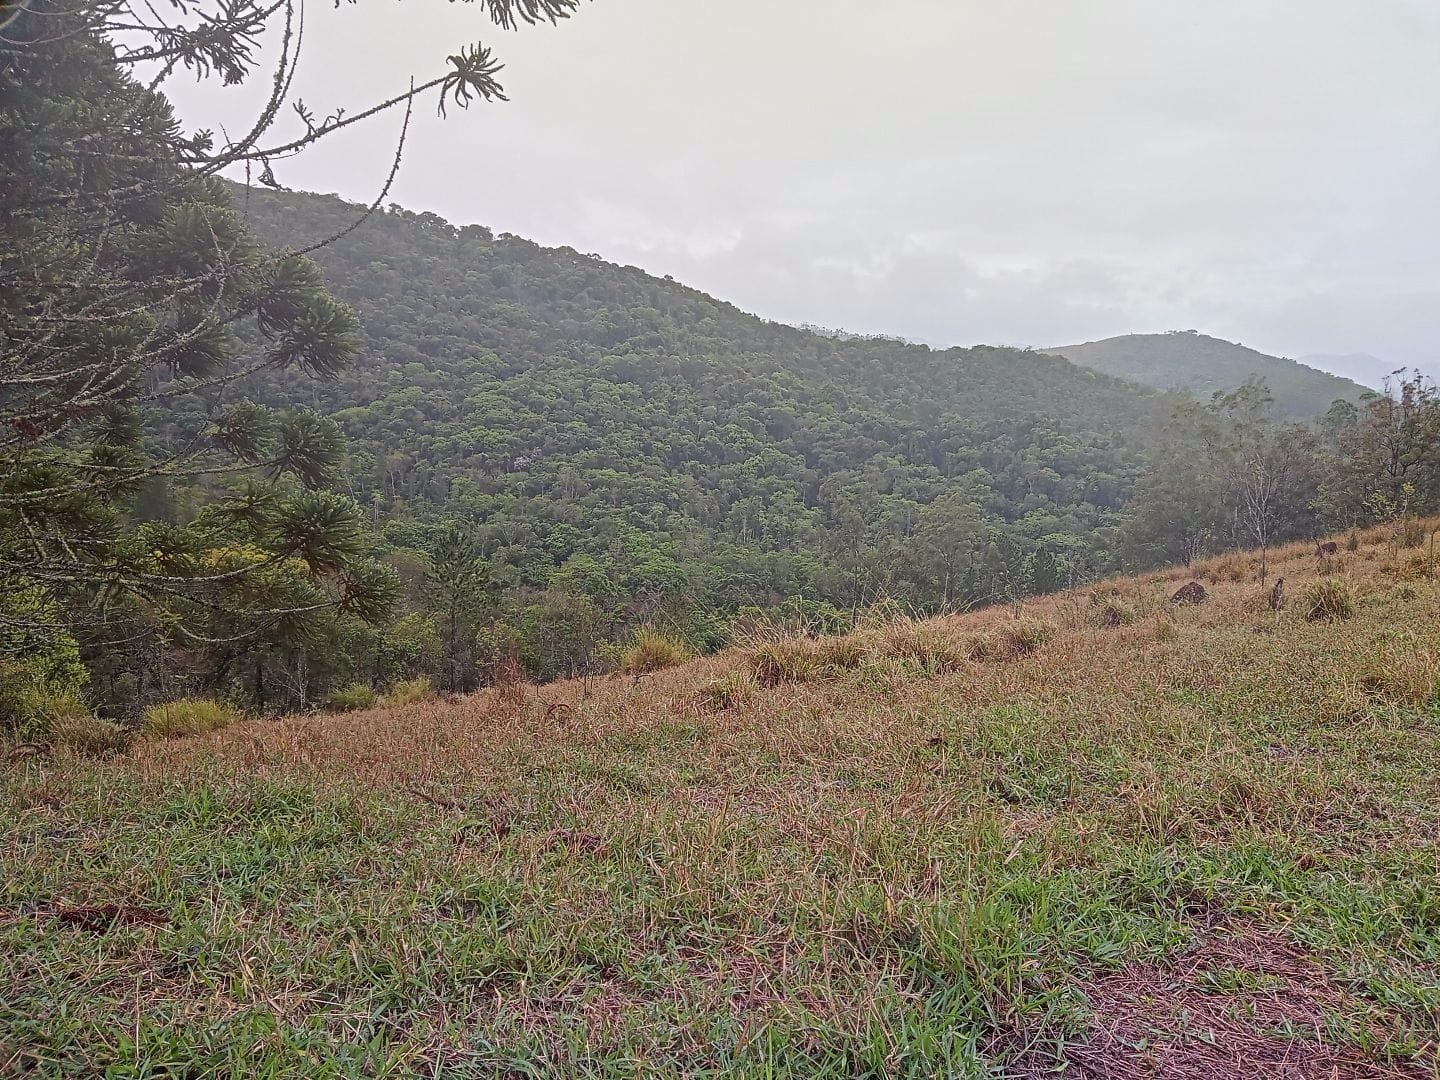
(1328, 600)
(920, 849)
(89, 736)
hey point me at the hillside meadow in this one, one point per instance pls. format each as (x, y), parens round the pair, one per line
(1102, 833)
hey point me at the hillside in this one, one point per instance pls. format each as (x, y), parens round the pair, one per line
(1205, 365)
(575, 407)
(1140, 839)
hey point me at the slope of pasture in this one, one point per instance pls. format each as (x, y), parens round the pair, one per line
(1138, 839)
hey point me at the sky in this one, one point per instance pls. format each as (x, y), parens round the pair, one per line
(1026, 172)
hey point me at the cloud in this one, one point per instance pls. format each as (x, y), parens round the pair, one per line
(949, 170)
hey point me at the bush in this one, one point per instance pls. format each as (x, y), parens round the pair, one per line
(89, 736)
(1329, 600)
(407, 693)
(357, 695)
(653, 650)
(189, 716)
(48, 684)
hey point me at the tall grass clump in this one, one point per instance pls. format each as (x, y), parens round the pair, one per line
(1025, 635)
(356, 696)
(654, 650)
(729, 690)
(1329, 600)
(89, 736)
(786, 658)
(407, 693)
(1423, 564)
(933, 647)
(1410, 677)
(189, 716)
(1410, 533)
(1112, 611)
(782, 658)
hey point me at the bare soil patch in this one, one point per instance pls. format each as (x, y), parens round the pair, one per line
(1238, 1004)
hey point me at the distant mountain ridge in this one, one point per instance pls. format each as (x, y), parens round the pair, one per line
(1204, 365)
(573, 409)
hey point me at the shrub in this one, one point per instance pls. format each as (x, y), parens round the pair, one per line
(1328, 600)
(653, 650)
(357, 695)
(48, 684)
(407, 693)
(89, 736)
(731, 689)
(188, 716)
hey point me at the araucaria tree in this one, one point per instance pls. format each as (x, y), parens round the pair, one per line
(142, 499)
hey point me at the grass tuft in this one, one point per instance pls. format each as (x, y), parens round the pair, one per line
(352, 698)
(1112, 611)
(189, 716)
(408, 693)
(732, 689)
(1329, 599)
(653, 650)
(89, 736)
(1405, 677)
(1026, 635)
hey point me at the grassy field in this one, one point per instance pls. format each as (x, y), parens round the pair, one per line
(1111, 836)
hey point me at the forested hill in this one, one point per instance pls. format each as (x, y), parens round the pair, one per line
(574, 407)
(1202, 365)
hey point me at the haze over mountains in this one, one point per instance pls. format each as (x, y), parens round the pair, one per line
(1203, 365)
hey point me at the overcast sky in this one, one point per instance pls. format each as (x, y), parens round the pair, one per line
(1035, 172)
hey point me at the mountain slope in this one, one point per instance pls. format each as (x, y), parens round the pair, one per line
(1205, 365)
(920, 858)
(568, 404)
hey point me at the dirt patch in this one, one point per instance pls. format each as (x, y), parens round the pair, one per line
(1238, 1004)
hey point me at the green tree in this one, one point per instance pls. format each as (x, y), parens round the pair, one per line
(134, 299)
(457, 583)
(1387, 457)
